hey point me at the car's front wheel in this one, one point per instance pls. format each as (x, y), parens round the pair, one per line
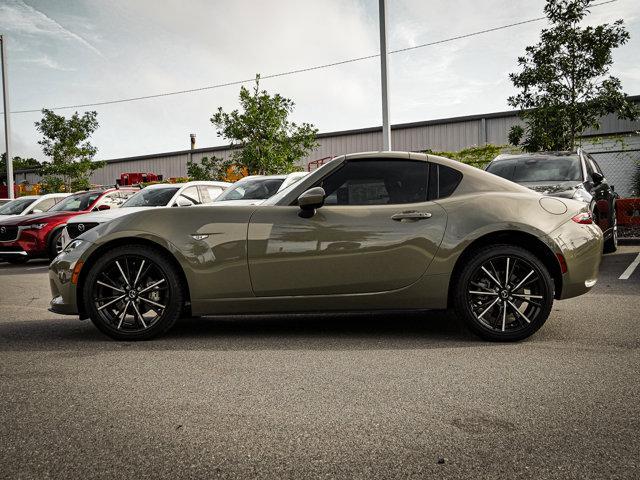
(503, 293)
(133, 293)
(55, 244)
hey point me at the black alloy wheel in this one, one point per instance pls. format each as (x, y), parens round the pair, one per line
(504, 293)
(133, 293)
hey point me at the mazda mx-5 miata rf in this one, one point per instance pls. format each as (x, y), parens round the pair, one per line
(373, 231)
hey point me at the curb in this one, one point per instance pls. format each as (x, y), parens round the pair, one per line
(628, 241)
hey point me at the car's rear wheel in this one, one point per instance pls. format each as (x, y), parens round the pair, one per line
(133, 293)
(503, 293)
(611, 243)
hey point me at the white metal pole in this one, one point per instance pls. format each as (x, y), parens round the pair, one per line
(384, 80)
(7, 124)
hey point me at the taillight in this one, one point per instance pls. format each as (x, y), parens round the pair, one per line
(584, 218)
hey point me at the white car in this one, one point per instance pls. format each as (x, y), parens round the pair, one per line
(30, 204)
(255, 189)
(159, 195)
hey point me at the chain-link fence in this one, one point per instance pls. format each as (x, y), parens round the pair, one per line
(621, 167)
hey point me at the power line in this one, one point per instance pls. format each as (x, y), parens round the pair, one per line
(300, 70)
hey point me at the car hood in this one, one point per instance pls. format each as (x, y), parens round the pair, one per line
(108, 215)
(554, 189)
(46, 217)
(234, 203)
(4, 217)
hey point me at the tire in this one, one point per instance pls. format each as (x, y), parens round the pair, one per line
(55, 243)
(611, 244)
(494, 312)
(133, 293)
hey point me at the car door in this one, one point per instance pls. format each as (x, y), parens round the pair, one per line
(376, 232)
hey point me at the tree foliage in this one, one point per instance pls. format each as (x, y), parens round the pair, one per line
(213, 168)
(564, 80)
(19, 163)
(266, 141)
(66, 142)
(477, 156)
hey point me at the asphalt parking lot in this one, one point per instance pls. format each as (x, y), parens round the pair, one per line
(384, 396)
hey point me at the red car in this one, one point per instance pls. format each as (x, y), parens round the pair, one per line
(38, 235)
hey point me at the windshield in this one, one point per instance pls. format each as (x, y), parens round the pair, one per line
(151, 197)
(253, 189)
(538, 168)
(77, 202)
(16, 206)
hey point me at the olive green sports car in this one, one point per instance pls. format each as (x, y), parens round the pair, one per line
(365, 232)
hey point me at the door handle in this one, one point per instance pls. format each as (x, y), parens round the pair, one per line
(410, 216)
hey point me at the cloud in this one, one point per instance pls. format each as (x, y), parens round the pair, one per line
(16, 16)
(46, 62)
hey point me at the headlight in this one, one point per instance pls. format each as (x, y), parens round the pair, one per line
(582, 195)
(72, 246)
(35, 226)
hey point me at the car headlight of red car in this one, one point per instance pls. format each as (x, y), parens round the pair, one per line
(35, 226)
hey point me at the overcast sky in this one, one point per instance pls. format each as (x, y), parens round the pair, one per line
(69, 52)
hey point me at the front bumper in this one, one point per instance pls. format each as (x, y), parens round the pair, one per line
(63, 291)
(581, 246)
(27, 244)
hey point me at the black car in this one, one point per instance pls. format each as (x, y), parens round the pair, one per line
(568, 175)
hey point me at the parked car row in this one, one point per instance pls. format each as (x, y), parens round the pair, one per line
(41, 226)
(384, 230)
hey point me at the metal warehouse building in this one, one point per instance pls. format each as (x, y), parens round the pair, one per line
(616, 146)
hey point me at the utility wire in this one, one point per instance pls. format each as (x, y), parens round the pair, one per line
(300, 70)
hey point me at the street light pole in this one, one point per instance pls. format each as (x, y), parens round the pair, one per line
(384, 80)
(7, 124)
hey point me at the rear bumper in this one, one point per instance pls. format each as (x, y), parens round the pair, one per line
(581, 247)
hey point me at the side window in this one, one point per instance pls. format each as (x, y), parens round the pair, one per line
(448, 180)
(204, 194)
(126, 195)
(377, 182)
(442, 181)
(45, 205)
(112, 199)
(191, 194)
(213, 192)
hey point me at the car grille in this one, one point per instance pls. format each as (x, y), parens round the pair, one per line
(77, 229)
(8, 233)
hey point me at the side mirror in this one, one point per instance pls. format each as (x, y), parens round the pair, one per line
(310, 200)
(35, 210)
(597, 177)
(183, 202)
(103, 207)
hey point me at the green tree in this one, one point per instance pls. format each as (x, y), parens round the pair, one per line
(477, 156)
(213, 168)
(66, 142)
(267, 142)
(564, 81)
(19, 163)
